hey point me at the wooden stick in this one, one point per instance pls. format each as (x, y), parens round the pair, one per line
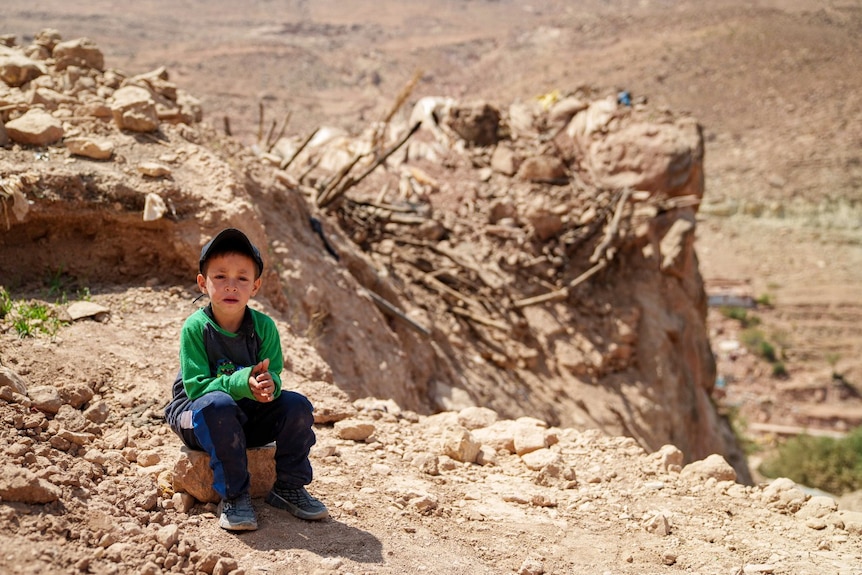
(562, 293)
(275, 140)
(680, 202)
(389, 308)
(259, 121)
(15, 107)
(265, 144)
(406, 219)
(387, 207)
(308, 171)
(612, 229)
(301, 147)
(396, 105)
(481, 319)
(431, 281)
(324, 198)
(353, 181)
(448, 253)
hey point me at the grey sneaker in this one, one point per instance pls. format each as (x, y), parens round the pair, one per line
(298, 502)
(237, 514)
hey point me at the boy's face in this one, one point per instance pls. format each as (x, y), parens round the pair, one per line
(229, 282)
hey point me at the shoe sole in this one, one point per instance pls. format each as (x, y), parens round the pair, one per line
(244, 526)
(224, 523)
(281, 503)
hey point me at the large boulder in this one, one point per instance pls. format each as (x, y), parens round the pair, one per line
(618, 153)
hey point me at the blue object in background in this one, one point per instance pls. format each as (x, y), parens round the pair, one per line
(624, 98)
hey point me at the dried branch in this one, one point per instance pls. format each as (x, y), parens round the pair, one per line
(265, 143)
(328, 194)
(308, 170)
(389, 308)
(271, 144)
(454, 257)
(260, 111)
(612, 230)
(432, 282)
(562, 293)
(301, 147)
(327, 197)
(482, 319)
(399, 101)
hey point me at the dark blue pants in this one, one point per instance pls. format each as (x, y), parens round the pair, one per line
(224, 428)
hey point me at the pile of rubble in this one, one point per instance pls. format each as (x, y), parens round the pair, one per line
(57, 92)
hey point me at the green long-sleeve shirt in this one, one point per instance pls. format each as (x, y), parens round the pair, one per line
(212, 359)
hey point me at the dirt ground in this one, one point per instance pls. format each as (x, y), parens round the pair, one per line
(775, 88)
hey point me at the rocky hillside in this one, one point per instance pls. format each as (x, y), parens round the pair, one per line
(536, 260)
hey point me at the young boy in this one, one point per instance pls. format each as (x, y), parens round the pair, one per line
(228, 396)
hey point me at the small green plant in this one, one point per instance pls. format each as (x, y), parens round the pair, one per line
(782, 340)
(833, 465)
(767, 352)
(752, 339)
(832, 359)
(56, 283)
(5, 302)
(84, 294)
(32, 317)
(765, 300)
(755, 341)
(739, 426)
(741, 315)
(733, 312)
(27, 318)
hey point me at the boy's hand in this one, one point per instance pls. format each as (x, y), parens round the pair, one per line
(260, 382)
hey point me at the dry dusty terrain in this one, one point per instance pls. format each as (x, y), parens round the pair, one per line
(776, 87)
(773, 83)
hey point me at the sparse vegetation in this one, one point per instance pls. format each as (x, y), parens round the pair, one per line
(832, 359)
(741, 315)
(765, 300)
(756, 342)
(833, 465)
(5, 303)
(739, 426)
(27, 318)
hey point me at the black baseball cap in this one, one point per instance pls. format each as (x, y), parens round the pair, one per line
(231, 240)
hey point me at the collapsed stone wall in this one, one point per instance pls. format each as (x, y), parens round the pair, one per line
(538, 260)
